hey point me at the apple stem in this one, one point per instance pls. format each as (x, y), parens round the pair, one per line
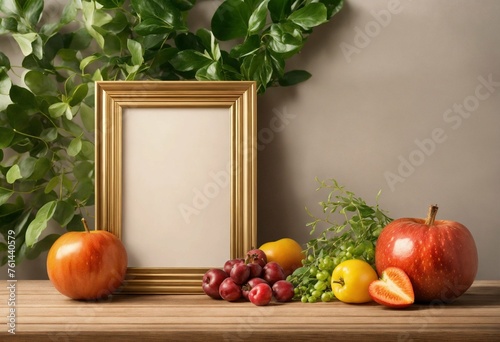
(85, 225)
(431, 216)
(340, 281)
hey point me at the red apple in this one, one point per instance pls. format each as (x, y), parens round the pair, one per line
(211, 282)
(87, 265)
(439, 256)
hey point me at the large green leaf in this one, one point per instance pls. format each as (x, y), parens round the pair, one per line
(135, 49)
(64, 213)
(210, 43)
(309, 16)
(4, 62)
(39, 223)
(257, 67)
(257, 20)
(75, 146)
(27, 166)
(169, 15)
(279, 9)
(285, 38)
(40, 84)
(230, 20)
(5, 195)
(188, 60)
(249, 46)
(332, 6)
(40, 169)
(13, 174)
(22, 97)
(32, 10)
(111, 3)
(9, 7)
(6, 136)
(25, 41)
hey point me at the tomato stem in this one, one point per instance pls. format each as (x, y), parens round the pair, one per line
(85, 225)
(431, 216)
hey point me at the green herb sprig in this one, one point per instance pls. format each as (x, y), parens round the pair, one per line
(352, 229)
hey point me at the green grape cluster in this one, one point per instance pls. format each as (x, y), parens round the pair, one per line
(352, 229)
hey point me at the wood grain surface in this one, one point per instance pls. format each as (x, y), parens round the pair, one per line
(42, 314)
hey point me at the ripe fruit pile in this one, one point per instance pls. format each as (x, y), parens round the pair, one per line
(252, 279)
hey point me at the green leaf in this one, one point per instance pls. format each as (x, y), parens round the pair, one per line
(9, 7)
(257, 20)
(230, 20)
(40, 84)
(49, 134)
(22, 96)
(78, 94)
(257, 68)
(88, 150)
(5, 195)
(25, 40)
(52, 184)
(95, 18)
(4, 62)
(13, 174)
(32, 11)
(40, 169)
(83, 170)
(64, 213)
(39, 223)
(87, 116)
(27, 166)
(75, 146)
(188, 60)
(161, 10)
(58, 109)
(135, 49)
(248, 47)
(6, 136)
(279, 9)
(208, 41)
(183, 5)
(89, 59)
(294, 77)
(332, 6)
(210, 72)
(285, 39)
(5, 83)
(111, 3)
(152, 26)
(309, 16)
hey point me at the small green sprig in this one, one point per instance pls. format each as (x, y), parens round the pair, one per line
(351, 231)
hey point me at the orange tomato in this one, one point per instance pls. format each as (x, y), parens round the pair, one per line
(286, 252)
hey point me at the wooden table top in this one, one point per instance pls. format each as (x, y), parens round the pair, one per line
(42, 314)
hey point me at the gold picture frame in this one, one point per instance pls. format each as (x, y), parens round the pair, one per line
(174, 152)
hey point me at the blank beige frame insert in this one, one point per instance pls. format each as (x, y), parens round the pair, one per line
(176, 177)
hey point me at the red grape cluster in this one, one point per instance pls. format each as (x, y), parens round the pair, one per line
(252, 279)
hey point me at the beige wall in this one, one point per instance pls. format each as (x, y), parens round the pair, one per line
(379, 85)
(388, 77)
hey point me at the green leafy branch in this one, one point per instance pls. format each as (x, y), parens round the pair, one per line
(348, 229)
(47, 122)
